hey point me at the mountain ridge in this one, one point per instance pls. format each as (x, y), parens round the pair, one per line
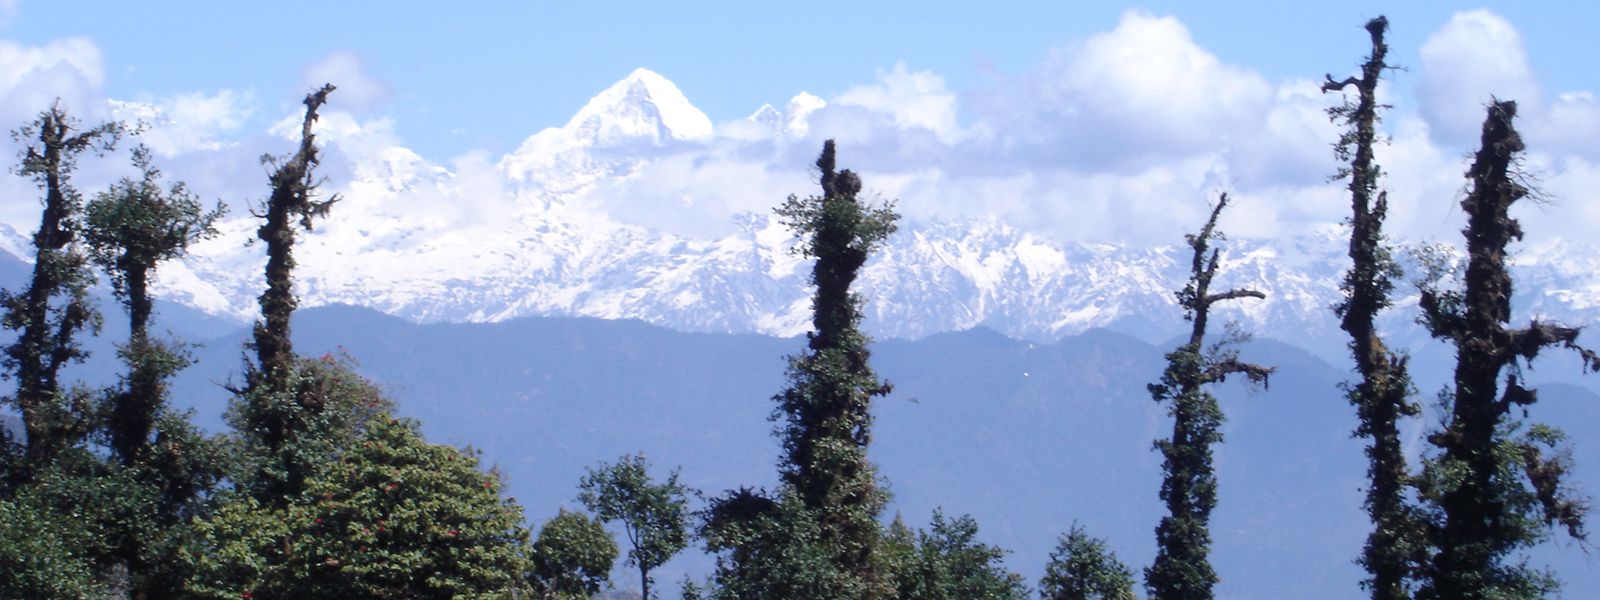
(425, 243)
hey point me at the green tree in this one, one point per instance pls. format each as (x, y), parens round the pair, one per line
(816, 536)
(947, 562)
(394, 517)
(293, 199)
(825, 414)
(572, 557)
(1082, 568)
(654, 516)
(1492, 489)
(54, 308)
(131, 229)
(772, 548)
(94, 509)
(1181, 569)
(42, 555)
(1382, 396)
(275, 411)
(345, 405)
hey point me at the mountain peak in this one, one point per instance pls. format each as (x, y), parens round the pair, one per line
(643, 107)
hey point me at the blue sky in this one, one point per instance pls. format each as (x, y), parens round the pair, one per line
(485, 75)
(1038, 113)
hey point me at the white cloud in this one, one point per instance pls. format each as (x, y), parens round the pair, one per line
(1141, 94)
(31, 77)
(914, 99)
(357, 90)
(1475, 56)
(187, 122)
(698, 194)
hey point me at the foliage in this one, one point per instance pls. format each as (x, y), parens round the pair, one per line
(43, 555)
(131, 228)
(1082, 568)
(327, 403)
(54, 308)
(824, 415)
(1489, 491)
(654, 516)
(1381, 397)
(771, 548)
(279, 420)
(572, 557)
(948, 563)
(1181, 569)
(394, 517)
(136, 225)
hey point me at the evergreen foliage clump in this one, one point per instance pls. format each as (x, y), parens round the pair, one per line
(1494, 486)
(346, 406)
(1382, 395)
(1082, 568)
(36, 564)
(1181, 569)
(771, 548)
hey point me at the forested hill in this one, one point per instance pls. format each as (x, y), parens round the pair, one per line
(1026, 437)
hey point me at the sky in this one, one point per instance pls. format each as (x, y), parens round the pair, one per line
(1097, 121)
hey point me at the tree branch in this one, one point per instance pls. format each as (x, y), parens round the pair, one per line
(1233, 294)
(1333, 86)
(1529, 341)
(1218, 371)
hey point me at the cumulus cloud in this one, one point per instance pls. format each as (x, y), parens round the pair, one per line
(1475, 56)
(913, 99)
(187, 122)
(1140, 94)
(32, 77)
(358, 88)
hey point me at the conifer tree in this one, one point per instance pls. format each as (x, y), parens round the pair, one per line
(1492, 489)
(132, 228)
(54, 308)
(1082, 568)
(825, 414)
(1181, 570)
(1381, 397)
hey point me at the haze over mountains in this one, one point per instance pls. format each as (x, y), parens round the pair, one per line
(1027, 437)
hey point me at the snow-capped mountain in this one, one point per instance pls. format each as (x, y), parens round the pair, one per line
(609, 137)
(420, 241)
